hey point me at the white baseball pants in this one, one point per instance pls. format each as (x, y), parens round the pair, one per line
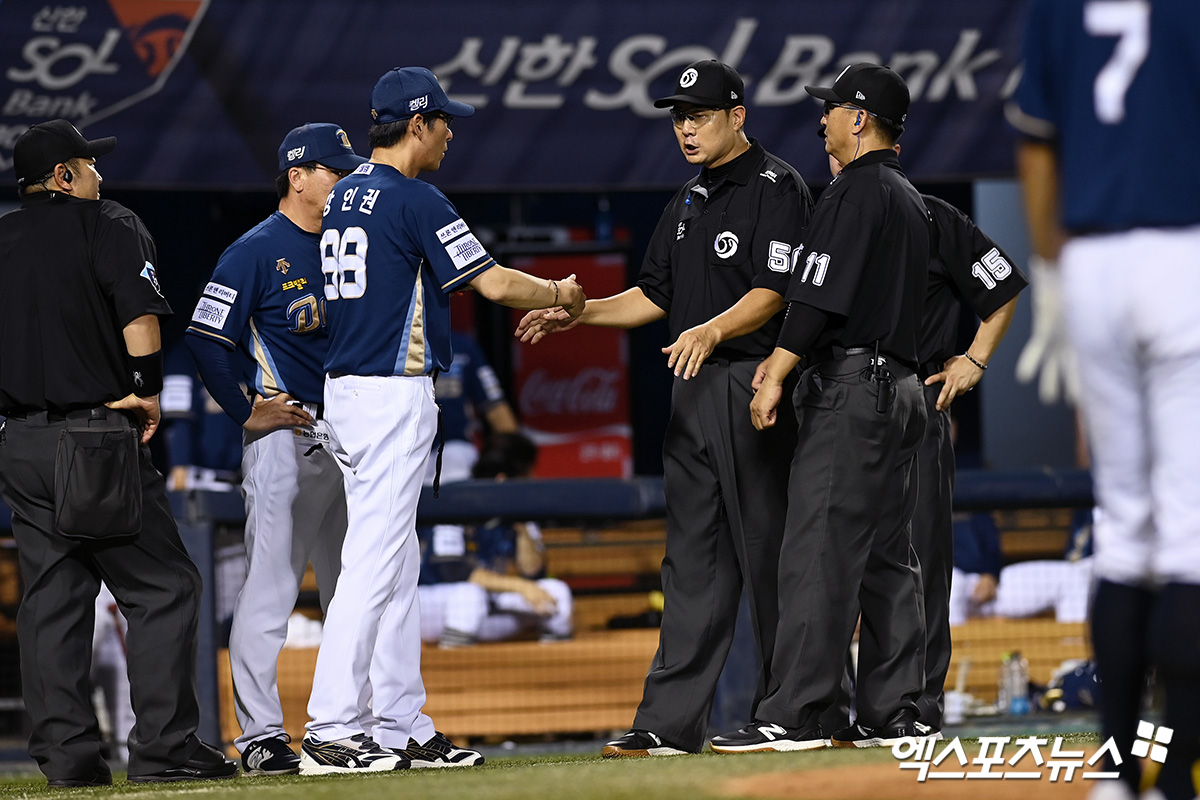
(295, 511)
(369, 663)
(1133, 313)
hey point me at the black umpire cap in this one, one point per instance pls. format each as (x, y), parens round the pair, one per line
(47, 144)
(877, 89)
(708, 83)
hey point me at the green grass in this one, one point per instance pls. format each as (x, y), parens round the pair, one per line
(564, 777)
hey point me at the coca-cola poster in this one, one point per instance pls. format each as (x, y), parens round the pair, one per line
(572, 388)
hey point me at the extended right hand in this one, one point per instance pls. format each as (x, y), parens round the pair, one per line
(267, 415)
(571, 296)
(535, 325)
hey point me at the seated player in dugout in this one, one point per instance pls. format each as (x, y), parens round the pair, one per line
(488, 583)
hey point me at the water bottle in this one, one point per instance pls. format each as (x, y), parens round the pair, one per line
(1013, 685)
(1004, 685)
(1018, 703)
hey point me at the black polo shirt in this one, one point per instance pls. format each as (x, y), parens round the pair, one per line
(866, 258)
(966, 266)
(75, 273)
(725, 232)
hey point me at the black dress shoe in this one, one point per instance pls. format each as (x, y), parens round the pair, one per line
(206, 764)
(100, 777)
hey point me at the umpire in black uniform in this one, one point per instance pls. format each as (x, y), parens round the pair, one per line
(854, 312)
(966, 267)
(722, 249)
(80, 372)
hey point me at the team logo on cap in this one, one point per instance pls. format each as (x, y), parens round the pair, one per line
(419, 103)
(688, 77)
(343, 139)
(726, 244)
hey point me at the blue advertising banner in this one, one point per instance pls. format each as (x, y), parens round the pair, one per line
(201, 92)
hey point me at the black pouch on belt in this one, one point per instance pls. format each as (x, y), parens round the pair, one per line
(97, 488)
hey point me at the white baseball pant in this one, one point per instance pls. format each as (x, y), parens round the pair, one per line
(369, 662)
(1133, 315)
(295, 511)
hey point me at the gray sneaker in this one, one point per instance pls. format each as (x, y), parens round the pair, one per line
(270, 756)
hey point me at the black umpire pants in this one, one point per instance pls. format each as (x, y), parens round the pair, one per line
(933, 540)
(726, 492)
(847, 548)
(156, 587)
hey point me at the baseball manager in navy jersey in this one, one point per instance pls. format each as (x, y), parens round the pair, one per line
(393, 248)
(1107, 105)
(717, 268)
(261, 320)
(854, 312)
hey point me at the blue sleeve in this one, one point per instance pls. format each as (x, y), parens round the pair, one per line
(989, 543)
(977, 544)
(230, 298)
(453, 252)
(480, 381)
(1032, 111)
(215, 363)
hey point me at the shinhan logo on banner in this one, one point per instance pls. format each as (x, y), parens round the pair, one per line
(88, 59)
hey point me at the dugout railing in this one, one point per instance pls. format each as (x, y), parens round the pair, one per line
(583, 503)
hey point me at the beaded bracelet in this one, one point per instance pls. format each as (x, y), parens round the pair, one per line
(973, 361)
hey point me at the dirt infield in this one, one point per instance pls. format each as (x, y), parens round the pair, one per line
(888, 782)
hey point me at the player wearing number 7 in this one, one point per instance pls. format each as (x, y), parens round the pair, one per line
(393, 250)
(1106, 104)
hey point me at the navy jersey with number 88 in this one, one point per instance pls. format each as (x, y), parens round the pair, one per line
(393, 248)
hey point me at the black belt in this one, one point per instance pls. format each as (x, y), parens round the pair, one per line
(723, 361)
(835, 352)
(77, 415)
(929, 368)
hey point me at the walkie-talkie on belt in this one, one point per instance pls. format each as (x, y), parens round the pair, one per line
(883, 377)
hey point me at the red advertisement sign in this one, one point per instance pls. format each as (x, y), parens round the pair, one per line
(572, 388)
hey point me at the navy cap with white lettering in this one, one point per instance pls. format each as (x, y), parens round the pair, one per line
(707, 83)
(322, 142)
(877, 89)
(404, 91)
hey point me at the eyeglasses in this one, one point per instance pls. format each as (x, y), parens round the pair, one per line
(340, 173)
(830, 106)
(449, 120)
(698, 117)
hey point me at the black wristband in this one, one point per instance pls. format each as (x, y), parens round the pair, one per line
(147, 374)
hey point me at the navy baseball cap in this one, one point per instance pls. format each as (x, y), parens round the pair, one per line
(47, 144)
(322, 142)
(404, 91)
(877, 89)
(707, 83)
